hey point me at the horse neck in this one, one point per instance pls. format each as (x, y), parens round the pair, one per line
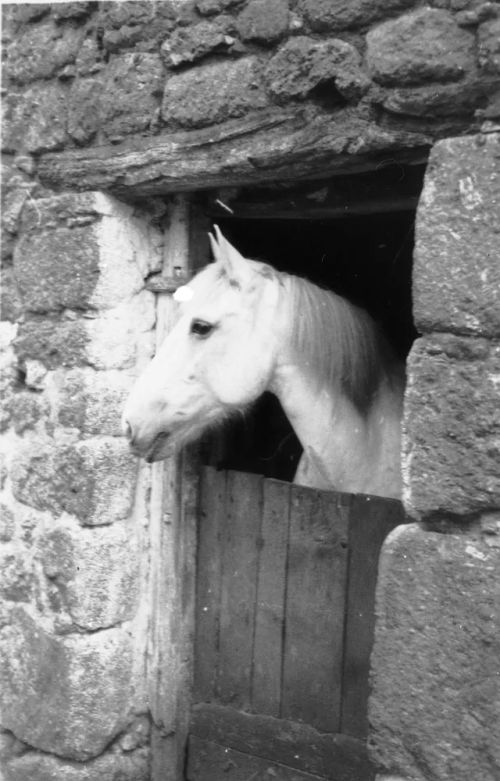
(320, 414)
(322, 418)
(325, 353)
(344, 450)
(341, 442)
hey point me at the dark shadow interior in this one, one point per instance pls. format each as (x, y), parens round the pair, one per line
(368, 259)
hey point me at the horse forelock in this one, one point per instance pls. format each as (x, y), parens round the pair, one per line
(338, 343)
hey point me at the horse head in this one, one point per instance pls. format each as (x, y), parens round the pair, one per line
(218, 357)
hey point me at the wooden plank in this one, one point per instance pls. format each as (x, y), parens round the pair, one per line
(208, 583)
(240, 540)
(264, 146)
(270, 606)
(290, 744)
(209, 761)
(309, 211)
(389, 189)
(172, 530)
(316, 589)
(372, 518)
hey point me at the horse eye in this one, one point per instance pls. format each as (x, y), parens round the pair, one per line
(201, 328)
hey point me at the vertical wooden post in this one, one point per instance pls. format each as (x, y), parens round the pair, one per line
(172, 554)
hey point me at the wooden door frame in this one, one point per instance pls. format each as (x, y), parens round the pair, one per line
(174, 513)
(263, 151)
(173, 532)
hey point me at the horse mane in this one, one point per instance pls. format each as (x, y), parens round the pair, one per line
(337, 341)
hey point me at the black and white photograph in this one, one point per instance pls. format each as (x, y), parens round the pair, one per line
(250, 390)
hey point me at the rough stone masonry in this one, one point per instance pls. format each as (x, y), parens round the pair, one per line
(71, 648)
(435, 707)
(380, 80)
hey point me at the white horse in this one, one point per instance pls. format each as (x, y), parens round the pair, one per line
(244, 328)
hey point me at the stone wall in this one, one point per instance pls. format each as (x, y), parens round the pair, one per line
(382, 78)
(435, 708)
(73, 547)
(87, 73)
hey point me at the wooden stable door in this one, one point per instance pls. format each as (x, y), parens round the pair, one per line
(284, 628)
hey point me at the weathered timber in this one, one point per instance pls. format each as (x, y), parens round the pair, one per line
(172, 564)
(265, 146)
(285, 598)
(290, 744)
(208, 583)
(392, 188)
(371, 520)
(178, 275)
(209, 761)
(285, 617)
(240, 534)
(327, 211)
(316, 596)
(271, 594)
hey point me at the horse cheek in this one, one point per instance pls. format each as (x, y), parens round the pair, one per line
(242, 377)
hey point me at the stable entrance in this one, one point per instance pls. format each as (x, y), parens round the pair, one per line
(353, 235)
(284, 628)
(286, 575)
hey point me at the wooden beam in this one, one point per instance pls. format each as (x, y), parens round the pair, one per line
(271, 599)
(371, 520)
(172, 523)
(209, 761)
(240, 535)
(276, 211)
(290, 744)
(316, 596)
(267, 146)
(392, 188)
(208, 583)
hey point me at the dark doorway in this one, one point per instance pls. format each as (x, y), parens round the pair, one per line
(365, 256)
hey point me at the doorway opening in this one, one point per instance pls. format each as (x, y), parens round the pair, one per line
(360, 247)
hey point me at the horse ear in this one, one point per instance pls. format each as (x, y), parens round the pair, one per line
(235, 265)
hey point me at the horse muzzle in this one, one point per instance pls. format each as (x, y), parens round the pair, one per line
(160, 448)
(151, 449)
